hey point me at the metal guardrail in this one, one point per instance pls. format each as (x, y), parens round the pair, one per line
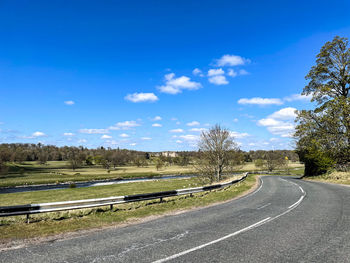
(89, 203)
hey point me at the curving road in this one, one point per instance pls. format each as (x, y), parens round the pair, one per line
(284, 220)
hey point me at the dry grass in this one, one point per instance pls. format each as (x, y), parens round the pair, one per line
(333, 177)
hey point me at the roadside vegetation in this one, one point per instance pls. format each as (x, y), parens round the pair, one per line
(323, 133)
(13, 228)
(334, 177)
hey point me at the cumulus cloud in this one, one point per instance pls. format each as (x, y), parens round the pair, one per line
(243, 72)
(189, 137)
(82, 141)
(124, 135)
(176, 130)
(288, 113)
(298, 97)
(232, 73)
(179, 141)
(38, 134)
(280, 122)
(94, 131)
(198, 129)
(218, 80)
(193, 123)
(231, 60)
(141, 97)
(133, 144)
(260, 101)
(157, 118)
(105, 136)
(146, 138)
(215, 72)
(156, 125)
(69, 102)
(176, 85)
(68, 134)
(238, 135)
(197, 72)
(125, 125)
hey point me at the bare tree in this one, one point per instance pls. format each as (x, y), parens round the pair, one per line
(218, 153)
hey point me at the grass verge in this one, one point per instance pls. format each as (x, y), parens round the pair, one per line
(332, 177)
(43, 225)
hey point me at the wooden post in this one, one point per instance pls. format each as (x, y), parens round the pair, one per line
(161, 199)
(111, 206)
(27, 219)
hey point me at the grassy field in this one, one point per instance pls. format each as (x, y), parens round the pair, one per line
(41, 225)
(333, 177)
(31, 173)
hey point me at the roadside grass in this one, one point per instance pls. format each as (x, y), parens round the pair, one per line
(53, 172)
(31, 173)
(332, 177)
(97, 191)
(14, 228)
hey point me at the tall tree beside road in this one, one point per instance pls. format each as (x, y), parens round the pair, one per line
(218, 153)
(323, 134)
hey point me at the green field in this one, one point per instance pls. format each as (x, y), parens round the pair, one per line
(12, 228)
(32, 173)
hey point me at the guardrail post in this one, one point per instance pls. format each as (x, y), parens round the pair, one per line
(191, 195)
(111, 207)
(27, 218)
(161, 199)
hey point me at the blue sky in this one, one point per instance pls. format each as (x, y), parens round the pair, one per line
(151, 75)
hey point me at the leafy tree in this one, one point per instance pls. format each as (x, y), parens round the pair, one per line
(329, 122)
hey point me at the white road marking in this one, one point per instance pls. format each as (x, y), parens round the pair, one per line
(262, 222)
(261, 207)
(213, 242)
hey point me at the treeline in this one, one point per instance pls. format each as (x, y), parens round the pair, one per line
(112, 158)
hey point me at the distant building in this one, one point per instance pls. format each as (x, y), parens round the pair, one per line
(169, 154)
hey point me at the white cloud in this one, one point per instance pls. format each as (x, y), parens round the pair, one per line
(176, 131)
(156, 125)
(105, 136)
(189, 137)
(238, 135)
(235, 120)
(215, 72)
(298, 97)
(243, 72)
(193, 123)
(133, 144)
(261, 101)
(124, 135)
(178, 141)
(146, 138)
(176, 85)
(198, 129)
(174, 119)
(280, 122)
(126, 125)
(69, 102)
(197, 72)
(218, 80)
(284, 114)
(231, 60)
(82, 141)
(68, 134)
(38, 134)
(232, 73)
(157, 118)
(141, 97)
(94, 131)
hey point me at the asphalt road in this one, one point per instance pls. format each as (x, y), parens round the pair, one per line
(284, 220)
